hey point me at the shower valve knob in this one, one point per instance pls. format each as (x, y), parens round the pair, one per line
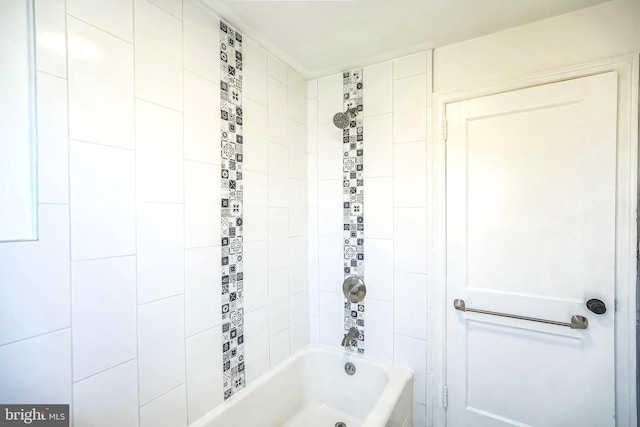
(596, 306)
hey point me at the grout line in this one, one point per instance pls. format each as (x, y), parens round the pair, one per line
(51, 74)
(164, 394)
(102, 30)
(67, 93)
(184, 225)
(165, 10)
(202, 162)
(196, 73)
(159, 299)
(35, 336)
(105, 370)
(97, 259)
(175, 110)
(101, 143)
(135, 144)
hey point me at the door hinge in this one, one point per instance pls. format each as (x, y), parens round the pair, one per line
(445, 396)
(445, 129)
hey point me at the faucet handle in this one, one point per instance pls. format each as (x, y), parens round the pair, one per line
(354, 289)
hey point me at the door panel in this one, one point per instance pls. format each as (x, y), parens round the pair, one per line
(531, 231)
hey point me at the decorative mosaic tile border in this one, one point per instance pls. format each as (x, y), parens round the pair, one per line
(353, 201)
(231, 210)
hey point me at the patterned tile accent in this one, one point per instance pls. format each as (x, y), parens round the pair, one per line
(231, 206)
(353, 201)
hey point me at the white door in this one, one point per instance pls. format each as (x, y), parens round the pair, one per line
(531, 232)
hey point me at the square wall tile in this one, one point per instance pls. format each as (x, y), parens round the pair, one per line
(412, 353)
(115, 16)
(161, 348)
(378, 329)
(330, 212)
(201, 204)
(278, 176)
(331, 318)
(255, 72)
(201, 129)
(51, 37)
(160, 251)
(410, 240)
(296, 88)
(378, 267)
(410, 65)
(410, 318)
(35, 278)
(297, 265)
(201, 290)
(158, 55)
(277, 69)
(53, 140)
(378, 153)
(201, 41)
(298, 321)
(116, 389)
(297, 150)
(256, 272)
(256, 343)
(104, 314)
(27, 376)
(277, 107)
(159, 150)
(279, 347)
(204, 372)
(331, 264)
(378, 205)
(256, 127)
(103, 207)
(169, 410)
(255, 206)
(410, 178)
(173, 7)
(410, 109)
(101, 91)
(329, 152)
(329, 98)
(278, 238)
(278, 301)
(297, 208)
(377, 92)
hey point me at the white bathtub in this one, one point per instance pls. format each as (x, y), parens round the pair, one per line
(311, 389)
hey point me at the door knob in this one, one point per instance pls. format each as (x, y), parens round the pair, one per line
(596, 306)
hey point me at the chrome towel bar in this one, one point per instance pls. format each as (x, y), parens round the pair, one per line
(577, 321)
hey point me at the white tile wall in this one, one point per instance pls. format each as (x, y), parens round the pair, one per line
(168, 410)
(101, 84)
(161, 348)
(378, 96)
(160, 232)
(159, 148)
(37, 369)
(410, 108)
(116, 389)
(130, 216)
(104, 313)
(204, 372)
(158, 53)
(201, 276)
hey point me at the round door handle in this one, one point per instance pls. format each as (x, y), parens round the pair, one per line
(596, 306)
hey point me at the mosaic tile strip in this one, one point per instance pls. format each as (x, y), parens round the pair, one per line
(353, 201)
(231, 210)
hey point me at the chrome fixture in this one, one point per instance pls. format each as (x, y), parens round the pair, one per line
(354, 289)
(351, 335)
(350, 368)
(341, 120)
(340, 424)
(577, 322)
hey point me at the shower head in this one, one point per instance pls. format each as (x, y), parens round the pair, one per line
(341, 120)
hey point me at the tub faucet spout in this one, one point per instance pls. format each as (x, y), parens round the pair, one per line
(352, 334)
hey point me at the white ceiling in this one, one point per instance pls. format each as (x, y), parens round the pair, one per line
(318, 38)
